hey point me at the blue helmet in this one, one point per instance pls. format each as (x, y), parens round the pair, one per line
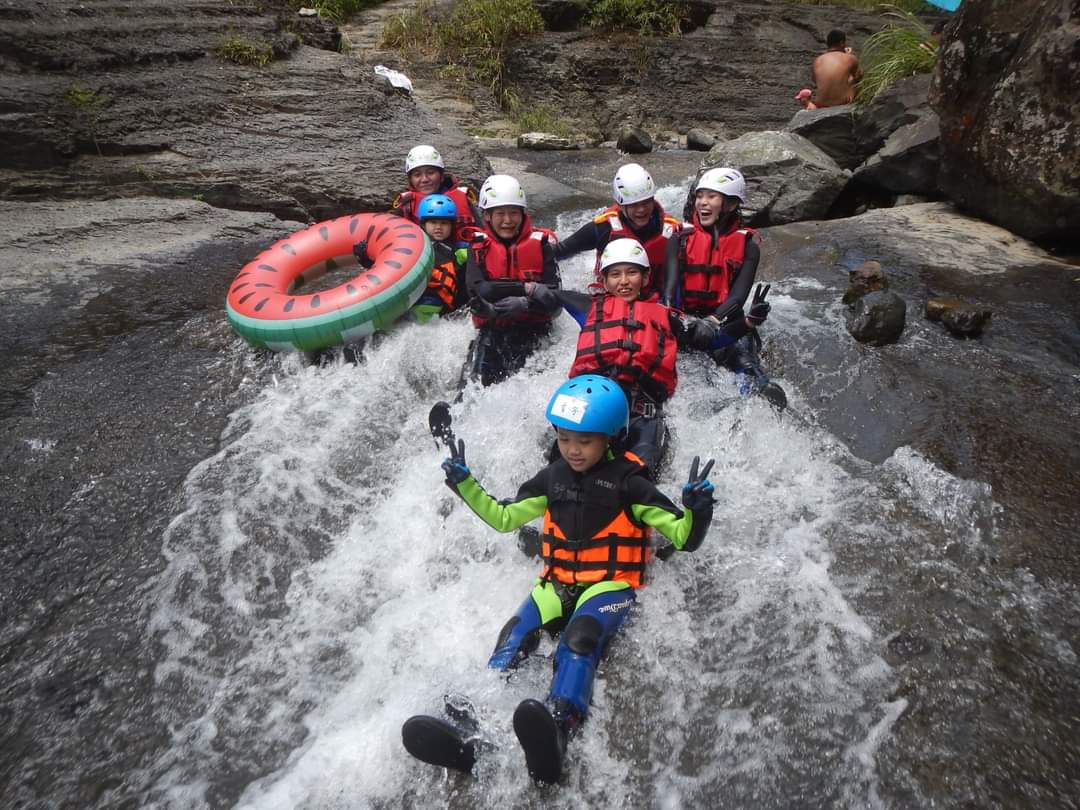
(436, 206)
(589, 404)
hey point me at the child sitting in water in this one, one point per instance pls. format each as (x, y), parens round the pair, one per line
(597, 506)
(446, 288)
(427, 175)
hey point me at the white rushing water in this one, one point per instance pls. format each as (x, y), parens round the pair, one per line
(323, 585)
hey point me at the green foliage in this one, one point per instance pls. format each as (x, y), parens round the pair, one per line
(82, 97)
(476, 37)
(645, 17)
(244, 51)
(538, 118)
(337, 11)
(900, 49)
(913, 6)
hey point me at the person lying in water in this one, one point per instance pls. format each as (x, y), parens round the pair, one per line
(598, 507)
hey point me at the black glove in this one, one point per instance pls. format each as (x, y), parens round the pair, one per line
(697, 492)
(759, 308)
(542, 294)
(701, 331)
(360, 252)
(503, 308)
(455, 468)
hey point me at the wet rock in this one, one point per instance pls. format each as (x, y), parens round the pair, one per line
(788, 178)
(878, 318)
(902, 102)
(910, 199)
(868, 277)
(966, 321)
(908, 162)
(699, 140)
(634, 141)
(936, 307)
(159, 112)
(542, 141)
(906, 645)
(832, 130)
(1010, 115)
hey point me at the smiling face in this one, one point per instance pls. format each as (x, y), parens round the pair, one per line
(425, 179)
(439, 229)
(625, 281)
(505, 220)
(639, 213)
(710, 204)
(582, 451)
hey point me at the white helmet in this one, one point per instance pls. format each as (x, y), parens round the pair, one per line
(632, 184)
(728, 182)
(501, 189)
(624, 251)
(423, 155)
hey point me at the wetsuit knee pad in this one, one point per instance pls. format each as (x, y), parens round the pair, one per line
(582, 635)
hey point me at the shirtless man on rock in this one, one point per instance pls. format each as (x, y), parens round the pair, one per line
(835, 72)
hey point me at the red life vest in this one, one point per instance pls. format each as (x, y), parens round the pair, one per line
(521, 261)
(631, 343)
(707, 269)
(407, 202)
(655, 246)
(618, 552)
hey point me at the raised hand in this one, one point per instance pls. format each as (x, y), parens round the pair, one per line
(455, 467)
(697, 492)
(759, 307)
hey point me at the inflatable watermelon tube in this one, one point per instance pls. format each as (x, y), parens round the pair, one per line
(266, 305)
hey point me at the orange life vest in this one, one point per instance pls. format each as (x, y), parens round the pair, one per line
(618, 552)
(444, 280)
(707, 269)
(631, 343)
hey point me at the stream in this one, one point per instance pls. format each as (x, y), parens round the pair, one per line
(230, 577)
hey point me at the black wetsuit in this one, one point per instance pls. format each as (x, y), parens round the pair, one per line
(501, 348)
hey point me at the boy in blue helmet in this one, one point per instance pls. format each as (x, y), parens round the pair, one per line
(446, 288)
(598, 507)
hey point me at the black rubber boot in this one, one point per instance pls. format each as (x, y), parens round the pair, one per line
(437, 742)
(543, 740)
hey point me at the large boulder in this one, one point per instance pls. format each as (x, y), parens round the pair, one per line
(1006, 91)
(788, 179)
(902, 102)
(832, 130)
(908, 162)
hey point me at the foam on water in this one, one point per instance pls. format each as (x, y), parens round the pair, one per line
(323, 585)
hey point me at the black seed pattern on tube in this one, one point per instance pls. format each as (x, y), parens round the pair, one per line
(404, 251)
(382, 233)
(271, 286)
(350, 289)
(324, 232)
(267, 268)
(289, 304)
(261, 304)
(375, 280)
(289, 249)
(392, 263)
(315, 302)
(246, 297)
(353, 225)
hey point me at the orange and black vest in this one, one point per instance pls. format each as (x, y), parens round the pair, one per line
(708, 269)
(444, 281)
(619, 551)
(521, 261)
(655, 246)
(631, 343)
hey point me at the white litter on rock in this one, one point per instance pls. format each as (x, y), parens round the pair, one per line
(394, 77)
(308, 12)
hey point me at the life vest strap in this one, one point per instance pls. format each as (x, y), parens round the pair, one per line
(704, 268)
(562, 544)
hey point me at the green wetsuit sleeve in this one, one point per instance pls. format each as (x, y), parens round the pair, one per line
(651, 507)
(505, 516)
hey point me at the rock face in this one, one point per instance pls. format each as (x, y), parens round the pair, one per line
(1010, 115)
(160, 112)
(908, 162)
(787, 178)
(832, 130)
(902, 102)
(734, 69)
